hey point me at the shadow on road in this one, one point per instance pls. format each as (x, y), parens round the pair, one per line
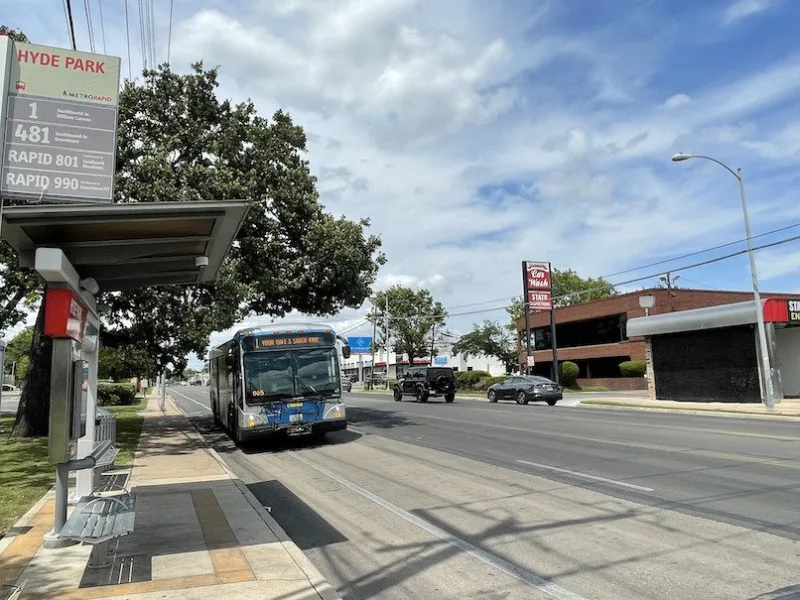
(380, 419)
(303, 524)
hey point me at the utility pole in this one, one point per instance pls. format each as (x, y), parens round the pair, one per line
(374, 346)
(386, 342)
(670, 281)
(433, 341)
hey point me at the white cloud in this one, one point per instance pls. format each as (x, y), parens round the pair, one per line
(478, 134)
(774, 264)
(677, 100)
(741, 9)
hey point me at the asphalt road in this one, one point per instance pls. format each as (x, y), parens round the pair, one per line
(487, 500)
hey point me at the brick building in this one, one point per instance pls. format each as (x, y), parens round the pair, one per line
(594, 336)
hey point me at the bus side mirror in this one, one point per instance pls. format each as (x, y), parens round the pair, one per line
(346, 351)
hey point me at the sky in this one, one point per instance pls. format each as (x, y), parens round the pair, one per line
(478, 134)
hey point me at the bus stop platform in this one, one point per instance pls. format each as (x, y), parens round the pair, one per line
(198, 533)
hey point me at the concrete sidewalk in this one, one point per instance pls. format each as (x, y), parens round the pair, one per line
(199, 533)
(783, 409)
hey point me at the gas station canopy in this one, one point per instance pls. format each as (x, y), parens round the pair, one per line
(127, 246)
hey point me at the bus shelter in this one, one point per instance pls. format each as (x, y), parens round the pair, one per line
(79, 251)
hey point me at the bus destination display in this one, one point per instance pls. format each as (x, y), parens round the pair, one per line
(275, 342)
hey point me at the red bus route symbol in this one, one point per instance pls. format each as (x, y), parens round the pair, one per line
(21, 86)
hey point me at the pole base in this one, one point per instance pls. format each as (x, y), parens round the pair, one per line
(52, 540)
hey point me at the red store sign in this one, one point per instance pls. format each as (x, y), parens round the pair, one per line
(65, 315)
(538, 285)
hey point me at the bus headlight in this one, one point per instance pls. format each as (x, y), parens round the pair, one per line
(255, 420)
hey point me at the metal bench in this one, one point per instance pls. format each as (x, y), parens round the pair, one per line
(98, 521)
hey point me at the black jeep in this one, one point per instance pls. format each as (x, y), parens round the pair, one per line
(426, 382)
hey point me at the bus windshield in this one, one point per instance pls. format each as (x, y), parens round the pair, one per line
(276, 376)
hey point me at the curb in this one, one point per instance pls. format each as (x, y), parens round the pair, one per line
(321, 585)
(25, 519)
(693, 411)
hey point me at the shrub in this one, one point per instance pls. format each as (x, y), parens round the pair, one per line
(568, 373)
(633, 368)
(469, 380)
(116, 394)
(490, 381)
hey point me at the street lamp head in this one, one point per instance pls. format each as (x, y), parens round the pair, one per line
(680, 157)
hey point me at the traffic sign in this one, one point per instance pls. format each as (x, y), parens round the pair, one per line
(360, 345)
(59, 133)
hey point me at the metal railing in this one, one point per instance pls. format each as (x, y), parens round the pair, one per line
(105, 429)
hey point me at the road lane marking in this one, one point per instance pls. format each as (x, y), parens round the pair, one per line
(565, 417)
(776, 462)
(585, 475)
(200, 404)
(533, 580)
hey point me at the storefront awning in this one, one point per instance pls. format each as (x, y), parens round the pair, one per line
(776, 310)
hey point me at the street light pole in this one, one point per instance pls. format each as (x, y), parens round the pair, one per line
(766, 368)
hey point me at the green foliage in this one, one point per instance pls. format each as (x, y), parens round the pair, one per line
(467, 380)
(18, 351)
(14, 34)
(490, 381)
(116, 394)
(124, 362)
(568, 373)
(633, 368)
(568, 288)
(489, 339)
(412, 316)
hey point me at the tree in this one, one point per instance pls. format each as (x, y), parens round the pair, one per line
(178, 141)
(489, 339)
(569, 288)
(18, 351)
(124, 362)
(20, 287)
(412, 316)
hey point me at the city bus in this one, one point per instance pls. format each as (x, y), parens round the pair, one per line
(279, 379)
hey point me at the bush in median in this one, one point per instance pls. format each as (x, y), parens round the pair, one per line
(469, 380)
(633, 368)
(568, 373)
(116, 394)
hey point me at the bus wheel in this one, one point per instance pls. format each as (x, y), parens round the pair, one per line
(233, 426)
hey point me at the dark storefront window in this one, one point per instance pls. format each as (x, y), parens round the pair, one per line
(606, 330)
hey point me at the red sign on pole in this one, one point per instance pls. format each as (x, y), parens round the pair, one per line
(65, 315)
(538, 286)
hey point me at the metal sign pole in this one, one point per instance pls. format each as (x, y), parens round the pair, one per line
(526, 309)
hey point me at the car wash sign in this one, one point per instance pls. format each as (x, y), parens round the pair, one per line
(58, 111)
(538, 285)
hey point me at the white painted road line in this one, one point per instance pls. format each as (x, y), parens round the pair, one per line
(535, 581)
(586, 476)
(200, 404)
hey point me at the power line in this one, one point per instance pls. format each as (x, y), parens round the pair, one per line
(658, 263)
(71, 23)
(142, 41)
(154, 61)
(128, 39)
(169, 37)
(87, 9)
(627, 282)
(102, 25)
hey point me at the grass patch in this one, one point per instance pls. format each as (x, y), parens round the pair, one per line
(25, 474)
(129, 429)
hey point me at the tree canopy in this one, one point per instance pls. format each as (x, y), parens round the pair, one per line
(568, 288)
(489, 339)
(178, 141)
(412, 316)
(18, 351)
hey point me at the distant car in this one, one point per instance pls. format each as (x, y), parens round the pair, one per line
(426, 382)
(526, 388)
(347, 385)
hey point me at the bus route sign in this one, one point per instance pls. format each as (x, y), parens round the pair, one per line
(59, 124)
